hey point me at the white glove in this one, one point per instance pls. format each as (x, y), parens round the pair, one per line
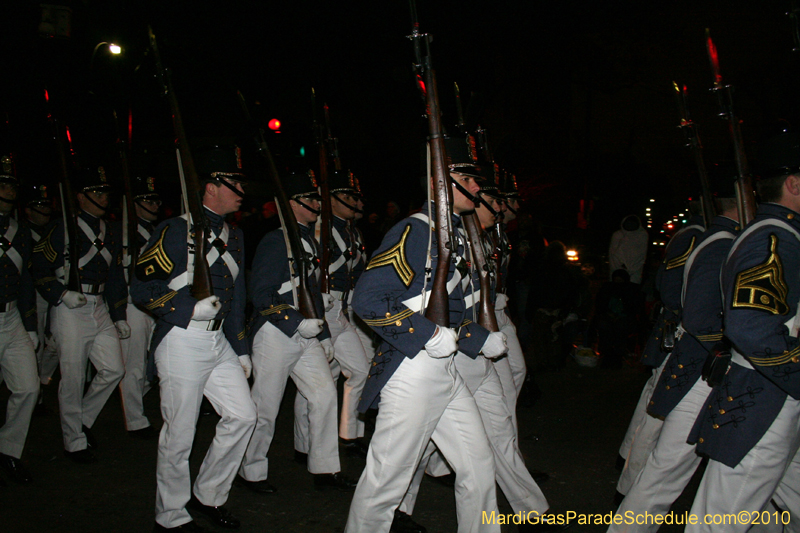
(495, 345)
(328, 300)
(247, 365)
(443, 343)
(123, 329)
(206, 309)
(73, 299)
(327, 346)
(310, 327)
(500, 302)
(34, 339)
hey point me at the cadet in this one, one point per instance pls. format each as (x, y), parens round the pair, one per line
(643, 430)
(420, 395)
(146, 201)
(287, 344)
(86, 325)
(680, 394)
(18, 337)
(749, 427)
(359, 262)
(200, 347)
(349, 356)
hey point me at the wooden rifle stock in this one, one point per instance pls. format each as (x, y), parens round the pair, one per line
(325, 205)
(693, 142)
(132, 222)
(486, 316)
(68, 201)
(202, 286)
(305, 301)
(438, 308)
(746, 200)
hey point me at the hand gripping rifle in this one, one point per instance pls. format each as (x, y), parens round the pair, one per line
(131, 220)
(693, 142)
(486, 316)
(746, 200)
(58, 132)
(325, 205)
(201, 285)
(438, 309)
(302, 265)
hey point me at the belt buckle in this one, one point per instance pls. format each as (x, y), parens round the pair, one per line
(213, 325)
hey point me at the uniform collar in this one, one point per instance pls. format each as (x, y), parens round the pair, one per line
(215, 221)
(90, 219)
(725, 223)
(338, 222)
(430, 210)
(146, 224)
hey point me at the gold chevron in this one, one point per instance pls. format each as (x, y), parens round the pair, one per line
(161, 301)
(276, 309)
(396, 258)
(158, 254)
(119, 303)
(783, 358)
(762, 286)
(389, 320)
(240, 336)
(46, 247)
(679, 261)
(711, 337)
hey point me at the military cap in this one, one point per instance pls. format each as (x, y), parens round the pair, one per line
(8, 172)
(144, 188)
(218, 161)
(508, 185)
(341, 181)
(300, 185)
(358, 192)
(462, 156)
(778, 155)
(38, 194)
(91, 179)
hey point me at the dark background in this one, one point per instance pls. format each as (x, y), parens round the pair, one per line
(576, 96)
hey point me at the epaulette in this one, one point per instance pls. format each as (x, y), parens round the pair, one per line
(396, 258)
(46, 247)
(155, 263)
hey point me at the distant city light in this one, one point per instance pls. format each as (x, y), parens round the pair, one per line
(652, 199)
(114, 48)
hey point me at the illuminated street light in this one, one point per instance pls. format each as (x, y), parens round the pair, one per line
(113, 48)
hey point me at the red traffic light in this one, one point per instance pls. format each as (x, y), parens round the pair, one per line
(274, 124)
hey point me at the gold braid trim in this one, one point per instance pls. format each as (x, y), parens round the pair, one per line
(465, 322)
(276, 309)
(681, 259)
(46, 247)
(120, 303)
(41, 281)
(763, 286)
(711, 337)
(30, 312)
(785, 357)
(158, 254)
(389, 320)
(396, 258)
(161, 301)
(240, 336)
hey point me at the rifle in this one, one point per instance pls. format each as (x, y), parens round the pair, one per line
(486, 316)
(131, 220)
(438, 309)
(693, 142)
(331, 141)
(325, 207)
(202, 287)
(746, 200)
(67, 201)
(305, 301)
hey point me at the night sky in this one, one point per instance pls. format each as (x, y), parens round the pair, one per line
(576, 96)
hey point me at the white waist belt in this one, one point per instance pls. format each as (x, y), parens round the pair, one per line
(740, 360)
(208, 325)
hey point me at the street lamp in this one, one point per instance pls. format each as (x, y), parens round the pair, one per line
(113, 48)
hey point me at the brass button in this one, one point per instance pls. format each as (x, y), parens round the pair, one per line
(162, 305)
(374, 363)
(715, 426)
(411, 330)
(722, 411)
(730, 399)
(790, 216)
(651, 402)
(286, 317)
(667, 387)
(701, 440)
(795, 359)
(398, 323)
(680, 366)
(674, 376)
(388, 315)
(469, 334)
(151, 299)
(171, 308)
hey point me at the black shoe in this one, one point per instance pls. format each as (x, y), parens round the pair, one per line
(206, 409)
(91, 442)
(403, 523)
(354, 447)
(301, 458)
(219, 516)
(448, 481)
(15, 469)
(83, 457)
(620, 464)
(260, 487)
(188, 526)
(618, 497)
(146, 433)
(539, 477)
(336, 481)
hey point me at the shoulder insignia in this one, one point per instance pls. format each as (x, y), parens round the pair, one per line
(679, 261)
(161, 301)
(396, 257)
(389, 320)
(154, 263)
(43, 281)
(711, 337)
(120, 303)
(762, 286)
(45, 247)
(465, 322)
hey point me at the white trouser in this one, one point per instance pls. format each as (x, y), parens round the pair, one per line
(425, 399)
(770, 468)
(641, 436)
(506, 375)
(521, 491)
(46, 355)
(193, 362)
(516, 358)
(364, 332)
(134, 356)
(18, 368)
(669, 467)
(84, 334)
(352, 362)
(275, 358)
